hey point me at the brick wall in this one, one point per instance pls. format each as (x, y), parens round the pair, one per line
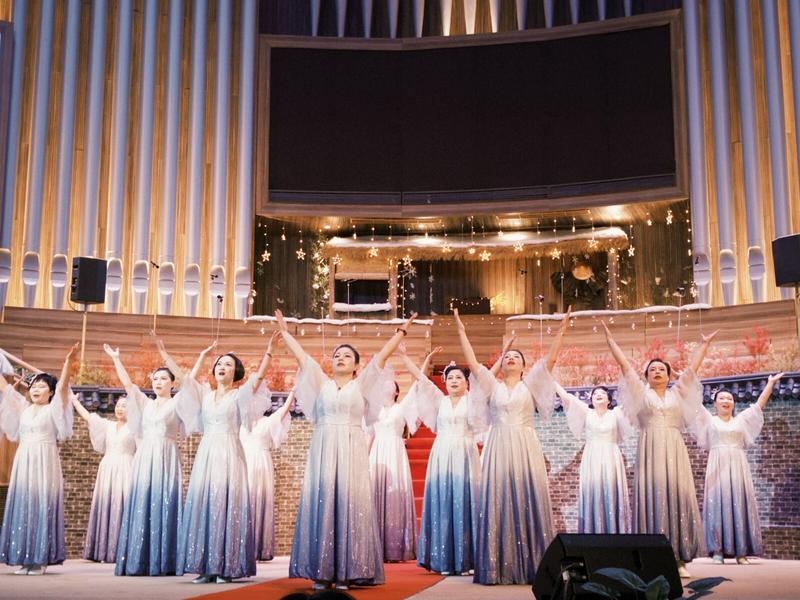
(774, 463)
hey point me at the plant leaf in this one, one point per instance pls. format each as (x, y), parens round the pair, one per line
(700, 585)
(628, 578)
(657, 589)
(600, 590)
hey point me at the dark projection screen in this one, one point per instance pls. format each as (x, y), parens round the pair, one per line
(582, 109)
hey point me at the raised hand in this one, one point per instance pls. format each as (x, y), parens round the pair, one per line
(281, 321)
(707, 338)
(565, 321)
(112, 352)
(276, 335)
(404, 326)
(459, 322)
(773, 379)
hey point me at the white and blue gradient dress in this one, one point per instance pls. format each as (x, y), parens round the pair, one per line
(336, 535)
(515, 524)
(449, 527)
(33, 522)
(603, 504)
(216, 532)
(267, 434)
(730, 512)
(392, 487)
(118, 446)
(664, 498)
(148, 539)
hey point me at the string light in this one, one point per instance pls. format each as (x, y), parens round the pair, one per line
(485, 255)
(518, 247)
(283, 233)
(301, 254)
(670, 217)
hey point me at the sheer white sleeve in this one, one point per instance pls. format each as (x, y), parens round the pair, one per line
(429, 399)
(252, 404)
(62, 413)
(308, 387)
(378, 389)
(12, 403)
(751, 420)
(542, 386)
(189, 404)
(576, 411)
(410, 410)
(98, 431)
(631, 393)
(481, 388)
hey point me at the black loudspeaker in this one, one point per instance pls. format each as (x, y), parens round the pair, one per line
(88, 280)
(581, 555)
(786, 259)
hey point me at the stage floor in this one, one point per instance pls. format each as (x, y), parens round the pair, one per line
(774, 579)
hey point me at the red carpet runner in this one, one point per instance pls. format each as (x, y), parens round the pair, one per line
(402, 581)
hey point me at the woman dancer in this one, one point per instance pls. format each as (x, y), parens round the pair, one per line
(603, 489)
(336, 539)
(730, 512)
(664, 499)
(452, 482)
(33, 522)
(115, 441)
(216, 538)
(267, 434)
(515, 523)
(148, 539)
(391, 478)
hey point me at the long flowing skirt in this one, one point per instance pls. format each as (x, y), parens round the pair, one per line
(450, 506)
(261, 480)
(148, 539)
(603, 505)
(33, 521)
(216, 534)
(108, 506)
(730, 512)
(394, 497)
(516, 521)
(336, 532)
(665, 500)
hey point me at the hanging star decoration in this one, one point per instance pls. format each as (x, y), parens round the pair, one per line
(518, 247)
(446, 249)
(372, 252)
(555, 254)
(631, 250)
(301, 254)
(593, 243)
(670, 217)
(412, 296)
(472, 250)
(336, 260)
(485, 255)
(265, 255)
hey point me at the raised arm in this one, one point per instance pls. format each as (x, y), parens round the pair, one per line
(417, 372)
(466, 347)
(555, 347)
(201, 359)
(617, 352)
(764, 397)
(566, 397)
(262, 368)
(122, 374)
(283, 411)
(291, 343)
(70, 366)
(700, 353)
(499, 362)
(394, 341)
(79, 408)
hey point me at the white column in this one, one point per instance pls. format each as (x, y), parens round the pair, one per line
(574, 11)
(94, 128)
(244, 188)
(447, 15)
(393, 7)
(141, 247)
(697, 164)
(628, 7)
(220, 180)
(601, 10)
(9, 182)
(794, 40)
(494, 13)
(341, 15)
(522, 12)
(777, 125)
(419, 16)
(194, 205)
(315, 4)
(35, 183)
(59, 268)
(722, 157)
(119, 155)
(548, 13)
(366, 13)
(755, 235)
(166, 256)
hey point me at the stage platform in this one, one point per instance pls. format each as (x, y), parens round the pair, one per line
(773, 579)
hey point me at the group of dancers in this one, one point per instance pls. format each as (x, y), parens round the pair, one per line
(487, 516)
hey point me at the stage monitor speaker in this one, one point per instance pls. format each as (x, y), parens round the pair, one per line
(88, 283)
(786, 259)
(579, 556)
